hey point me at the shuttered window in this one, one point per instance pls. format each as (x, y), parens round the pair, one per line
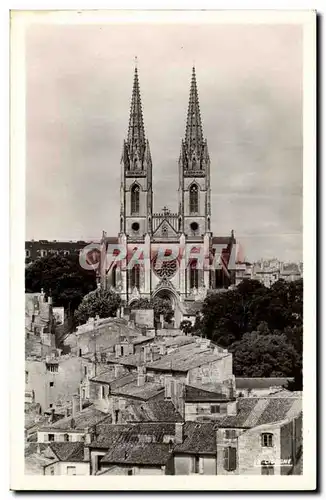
(230, 434)
(230, 458)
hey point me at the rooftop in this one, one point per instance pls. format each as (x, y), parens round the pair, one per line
(262, 382)
(142, 454)
(86, 418)
(258, 411)
(183, 357)
(198, 438)
(108, 434)
(68, 452)
(193, 393)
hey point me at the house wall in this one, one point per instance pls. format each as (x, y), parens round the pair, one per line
(184, 464)
(251, 452)
(66, 380)
(217, 371)
(60, 468)
(43, 436)
(136, 470)
(196, 411)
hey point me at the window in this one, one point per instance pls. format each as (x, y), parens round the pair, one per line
(135, 276)
(51, 471)
(80, 353)
(71, 471)
(102, 392)
(267, 439)
(215, 409)
(135, 199)
(230, 434)
(44, 253)
(26, 377)
(193, 278)
(193, 199)
(85, 370)
(267, 469)
(196, 464)
(51, 437)
(27, 253)
(230, 458)
(50, 405)
(66, 437)
(52, 367)
(51, 384)
(114, 276)
(129, 472)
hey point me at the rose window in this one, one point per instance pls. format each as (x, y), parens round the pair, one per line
(167, 268)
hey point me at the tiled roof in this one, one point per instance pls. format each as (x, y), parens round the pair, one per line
(142, 392)
(261, 383)
(200, 394)
(185, 358)
(69, 452)
(198, 438)
(188, 353)
(152, 411)
(107, 435)
(259, 411)
(86, 418)
(138, 454)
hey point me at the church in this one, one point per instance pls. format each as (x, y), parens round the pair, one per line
(176, 234)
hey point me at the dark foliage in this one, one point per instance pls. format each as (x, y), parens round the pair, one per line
(261, 326)
(61, 277)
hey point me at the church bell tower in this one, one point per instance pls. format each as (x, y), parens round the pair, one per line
(136, 174)
(194, 172)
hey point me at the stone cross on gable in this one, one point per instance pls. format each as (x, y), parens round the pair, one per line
(165, 211)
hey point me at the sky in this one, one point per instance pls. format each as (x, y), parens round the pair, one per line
(78, 91)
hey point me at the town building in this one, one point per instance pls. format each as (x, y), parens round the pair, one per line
(35, 249)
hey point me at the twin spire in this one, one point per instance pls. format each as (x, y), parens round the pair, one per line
(193, 147)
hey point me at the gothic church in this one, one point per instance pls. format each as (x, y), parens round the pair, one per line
(188, 230)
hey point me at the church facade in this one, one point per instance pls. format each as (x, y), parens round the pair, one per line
(172, 238)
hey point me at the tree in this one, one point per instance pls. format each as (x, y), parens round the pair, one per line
(102, 303)
(161, 305)
(257, 355)
(186, 326)
(62, 277)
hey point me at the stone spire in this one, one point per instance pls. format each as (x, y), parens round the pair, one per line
(135, 144)
(194, 152)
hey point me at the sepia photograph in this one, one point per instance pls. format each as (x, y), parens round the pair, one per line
(163, 171)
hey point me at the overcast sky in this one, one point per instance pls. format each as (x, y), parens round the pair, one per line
(79, 82)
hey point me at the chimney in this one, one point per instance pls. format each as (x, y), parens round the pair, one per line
(51, 417)
(168, 387)
(162, 349)
(141, 375)
(87, 454)
(233, 408)
(74, 406)
(179, 432)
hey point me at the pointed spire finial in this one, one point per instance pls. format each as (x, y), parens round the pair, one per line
(136, 62)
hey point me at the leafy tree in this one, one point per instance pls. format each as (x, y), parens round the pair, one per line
(102, 303)
(257, 355)
(62, 277)
(273, 316)
(161, 305)
(186, 326)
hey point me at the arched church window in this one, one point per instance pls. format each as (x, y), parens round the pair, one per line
(135, 276)
(193, 277)
(135, 199)
(114, 276)
(193, 199)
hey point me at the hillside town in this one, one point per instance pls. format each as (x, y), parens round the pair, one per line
(127, 396)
